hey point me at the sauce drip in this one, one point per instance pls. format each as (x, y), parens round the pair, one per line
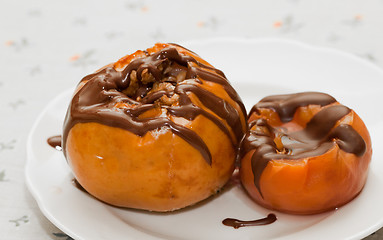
(102, 91)
(55, 142)
(317, 138)
(235, 223)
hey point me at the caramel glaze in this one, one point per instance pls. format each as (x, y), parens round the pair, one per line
(235, 223)
(94, 102)
(318, 137)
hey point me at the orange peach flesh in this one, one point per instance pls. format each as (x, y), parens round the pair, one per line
(158, 172)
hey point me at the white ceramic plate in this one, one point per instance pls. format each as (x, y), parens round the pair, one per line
(256, 68)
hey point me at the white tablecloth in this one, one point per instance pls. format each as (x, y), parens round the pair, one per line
(47, 46)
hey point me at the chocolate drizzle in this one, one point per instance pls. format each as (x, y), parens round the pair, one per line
(55, 142)
(96, 101)
(235, 223)
(286, 105)
(318, 137)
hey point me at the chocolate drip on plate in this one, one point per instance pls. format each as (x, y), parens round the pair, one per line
(235, 223)
(138, 88)
(55, 142)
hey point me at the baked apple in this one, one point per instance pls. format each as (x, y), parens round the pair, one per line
(157, 130)
(305, 153)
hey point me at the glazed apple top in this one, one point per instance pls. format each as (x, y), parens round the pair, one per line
(120, 95)
(316, 138)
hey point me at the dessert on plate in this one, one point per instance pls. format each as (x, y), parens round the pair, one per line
(156, 130)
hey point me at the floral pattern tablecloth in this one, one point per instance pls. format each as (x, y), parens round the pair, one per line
(47, 46)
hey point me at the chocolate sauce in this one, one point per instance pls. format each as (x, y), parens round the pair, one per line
(55, 142)
(95, 101)
(286, 105)
(317, 138)
(235, 223)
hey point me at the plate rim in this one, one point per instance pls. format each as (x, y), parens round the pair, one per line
(303, 44)
(32, 189)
